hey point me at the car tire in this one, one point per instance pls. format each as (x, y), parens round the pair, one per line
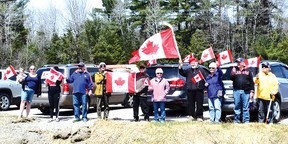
(44, 110)
(128, 102)
(5, 101)
(277, 111)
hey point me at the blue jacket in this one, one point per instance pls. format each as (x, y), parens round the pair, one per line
(215, 83)
(80, 81)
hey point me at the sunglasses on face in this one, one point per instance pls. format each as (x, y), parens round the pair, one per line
(102, 66)
(264, 67)
(32, 69)
(211, 68)
(159, 73)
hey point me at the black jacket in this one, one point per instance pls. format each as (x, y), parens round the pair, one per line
(242, 80)
(189, 74)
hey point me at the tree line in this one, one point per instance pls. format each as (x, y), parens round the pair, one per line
(247, 27)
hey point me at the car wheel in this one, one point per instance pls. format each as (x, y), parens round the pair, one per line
(4, 101)
(277, 111)
(128, 102)
(44, 110)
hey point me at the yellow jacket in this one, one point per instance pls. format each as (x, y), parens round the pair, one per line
(99, 82)
(266, 84)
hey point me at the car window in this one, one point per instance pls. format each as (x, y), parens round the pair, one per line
(40, 72)
(277, 71)
(285, 71)
(0, 75)
(169, 72)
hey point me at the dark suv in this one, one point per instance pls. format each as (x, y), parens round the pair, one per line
(177, 97)
(281, 102)
(66, 101)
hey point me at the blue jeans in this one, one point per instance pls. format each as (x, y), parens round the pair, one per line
(80, 99)
(156, 106)
(215, 109)
(27, 95)
(241, 98)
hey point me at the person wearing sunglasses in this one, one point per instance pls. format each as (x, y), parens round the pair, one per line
(243, 91)
(140, 98)
(81, 80)
(32, 85)
(160, 88)
(215, 92)
(267, 89)
(195, 91)
(102, 98)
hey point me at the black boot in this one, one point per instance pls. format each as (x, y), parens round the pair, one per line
(146, 118)
(136, 119)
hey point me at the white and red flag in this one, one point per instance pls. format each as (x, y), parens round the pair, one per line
(121, 82)
(252, 62)
(150, 62)
(10, 71)
(225, 57)
(147, 82)
(197, 77)
(186, 59)
(160, 45)
(53, 76)
(207, 55)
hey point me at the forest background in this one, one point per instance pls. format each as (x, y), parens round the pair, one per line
(247, 27)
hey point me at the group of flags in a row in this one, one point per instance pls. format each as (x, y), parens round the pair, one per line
(50, 76)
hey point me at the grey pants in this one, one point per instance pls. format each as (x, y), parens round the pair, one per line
(102, 101)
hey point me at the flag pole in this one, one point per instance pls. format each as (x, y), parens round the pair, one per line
(170, 26)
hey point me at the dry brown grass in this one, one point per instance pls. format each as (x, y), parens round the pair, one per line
(108, 132)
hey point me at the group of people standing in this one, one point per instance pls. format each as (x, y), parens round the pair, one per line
(243, 91)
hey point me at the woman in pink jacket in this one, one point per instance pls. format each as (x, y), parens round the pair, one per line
(160, 88)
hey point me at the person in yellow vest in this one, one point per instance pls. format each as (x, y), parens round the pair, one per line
(100, 92)
(266, 90)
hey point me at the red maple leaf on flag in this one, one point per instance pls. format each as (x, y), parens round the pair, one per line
(224, 57)
(197, 78)
(150, 49)
(52, 77)
(205, 55)
(119, 81)
(252, 62)
(8, 71)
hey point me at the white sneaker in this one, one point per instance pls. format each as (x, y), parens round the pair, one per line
(199, 119)
(57, 119)
(50, 120)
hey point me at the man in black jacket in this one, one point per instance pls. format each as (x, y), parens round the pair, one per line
(243, 90)
(195, 91)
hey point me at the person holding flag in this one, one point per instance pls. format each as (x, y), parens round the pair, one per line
(243, 90)
(267, 89)
(54, 91)
(215, 92)
(195, 90)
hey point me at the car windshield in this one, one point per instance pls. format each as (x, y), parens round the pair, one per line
(227, 72)
(168, 72)
(40, 72)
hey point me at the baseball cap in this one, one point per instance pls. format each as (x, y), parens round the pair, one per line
(159, 70)
(102, 63)
(265, 64)
(239, 60)
(81, 64)
(213, 64)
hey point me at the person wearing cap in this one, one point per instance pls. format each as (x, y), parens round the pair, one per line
(160, 88)
(140, 98)
(267, 89)
(195, 92)
(215, 92)
(102, 98)
(54, 91)
(81, 80)
(243, 90)
(32, 85)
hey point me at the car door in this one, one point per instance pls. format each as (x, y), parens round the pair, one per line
(285, 86)
(283, 83)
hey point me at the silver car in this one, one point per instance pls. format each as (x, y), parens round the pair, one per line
(281, 101)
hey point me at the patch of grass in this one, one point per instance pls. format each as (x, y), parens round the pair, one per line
(186, 132)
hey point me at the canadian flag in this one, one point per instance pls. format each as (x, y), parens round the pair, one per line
(150, 62)
(225, 57)
(186, 59)
(121, 82)
(197, 77)
(252, 62)
(160, 45)
(10, 71)
(53, 76)
(147, 82)
(207, 54)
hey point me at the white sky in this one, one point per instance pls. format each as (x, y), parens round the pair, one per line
(41, 4)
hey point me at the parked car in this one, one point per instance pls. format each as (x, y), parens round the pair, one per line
(10, 91)
(66, 101)
(177, 96)
(281, 101)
